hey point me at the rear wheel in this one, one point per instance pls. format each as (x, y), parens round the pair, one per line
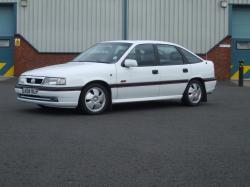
(94, 99)
(194, 93)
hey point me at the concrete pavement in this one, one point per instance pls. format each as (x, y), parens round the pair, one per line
(142, 144)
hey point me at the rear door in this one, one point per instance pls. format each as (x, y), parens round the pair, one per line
(174, 72)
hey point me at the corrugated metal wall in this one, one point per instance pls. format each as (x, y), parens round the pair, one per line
(196, 24)
(69, 25)
(239, 1)
(8, 1)
(74, 25)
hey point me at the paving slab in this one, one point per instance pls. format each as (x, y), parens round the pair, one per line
(246, 83)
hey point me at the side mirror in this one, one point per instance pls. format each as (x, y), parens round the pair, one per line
(130, 63)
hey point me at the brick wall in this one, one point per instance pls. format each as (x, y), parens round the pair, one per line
(221, 56)
(27, 57)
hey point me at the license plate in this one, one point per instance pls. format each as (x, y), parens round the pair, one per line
(29, 91)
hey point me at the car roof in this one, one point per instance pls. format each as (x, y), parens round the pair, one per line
(141, 42)
(136, 42)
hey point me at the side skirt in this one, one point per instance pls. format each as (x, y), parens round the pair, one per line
(175, 97)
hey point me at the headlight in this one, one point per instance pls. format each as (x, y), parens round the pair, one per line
(21, 80)
(54, 81)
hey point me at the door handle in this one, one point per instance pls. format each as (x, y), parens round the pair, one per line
(185, 70)
(155, 72)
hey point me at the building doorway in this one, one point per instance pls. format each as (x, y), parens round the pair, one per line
(7, 32)
(240, 30)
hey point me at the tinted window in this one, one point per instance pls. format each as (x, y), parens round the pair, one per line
(169, 55)
(144, 54)
(190, 57)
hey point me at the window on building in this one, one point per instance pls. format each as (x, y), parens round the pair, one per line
(4, 43)
(243, 45)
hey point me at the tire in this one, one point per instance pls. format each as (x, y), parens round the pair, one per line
(194, 93)
(94, 99)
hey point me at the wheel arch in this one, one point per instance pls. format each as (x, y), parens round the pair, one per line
(101, 82)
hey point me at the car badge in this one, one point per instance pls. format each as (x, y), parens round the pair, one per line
(33, 81)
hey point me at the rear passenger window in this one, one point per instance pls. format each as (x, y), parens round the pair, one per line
(190, 57)
(144, 54)
(169, 55)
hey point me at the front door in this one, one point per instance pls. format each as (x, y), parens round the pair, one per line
(139, 82)
(7, 31)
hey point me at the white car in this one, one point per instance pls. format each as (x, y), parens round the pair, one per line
(118, 72)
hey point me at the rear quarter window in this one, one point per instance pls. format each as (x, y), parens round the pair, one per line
(192, 59)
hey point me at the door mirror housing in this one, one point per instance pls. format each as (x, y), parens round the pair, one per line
(130, 63)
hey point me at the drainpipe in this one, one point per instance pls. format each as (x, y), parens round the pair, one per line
(125, 20)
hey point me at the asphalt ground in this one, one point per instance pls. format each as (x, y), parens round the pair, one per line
(142, 144)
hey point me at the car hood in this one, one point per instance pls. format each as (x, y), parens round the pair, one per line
(70, 68)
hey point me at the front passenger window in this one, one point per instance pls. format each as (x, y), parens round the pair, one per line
(143, 54)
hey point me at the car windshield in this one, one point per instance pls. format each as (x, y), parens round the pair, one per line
(103, 53)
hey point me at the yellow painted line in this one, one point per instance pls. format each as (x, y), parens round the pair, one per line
(235, 76)
(2, 65)
(10, 72)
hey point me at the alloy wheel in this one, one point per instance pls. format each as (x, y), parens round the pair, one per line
(95, 99)
(194, 93)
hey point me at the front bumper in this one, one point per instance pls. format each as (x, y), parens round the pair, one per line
(62, 97)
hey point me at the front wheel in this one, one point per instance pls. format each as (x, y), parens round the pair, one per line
(94, 99)
(193, 93)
